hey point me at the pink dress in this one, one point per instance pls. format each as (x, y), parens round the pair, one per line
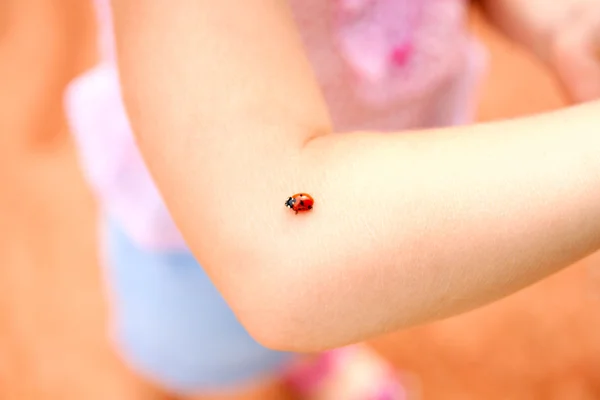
(382, 65)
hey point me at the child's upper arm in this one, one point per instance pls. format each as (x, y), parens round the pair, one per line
(221, 98)
(223, 87)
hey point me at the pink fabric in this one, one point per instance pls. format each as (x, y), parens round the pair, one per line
(402, 48)
(309, 376)
(112, 162)
(378, 36)
(385, 65)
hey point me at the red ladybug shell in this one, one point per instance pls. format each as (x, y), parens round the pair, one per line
(300, 202)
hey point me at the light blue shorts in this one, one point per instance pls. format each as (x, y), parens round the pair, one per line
(171, 324)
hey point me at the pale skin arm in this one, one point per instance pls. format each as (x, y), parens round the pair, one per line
(406, 227)
(564, 34)
(534, 23)
(529, 23)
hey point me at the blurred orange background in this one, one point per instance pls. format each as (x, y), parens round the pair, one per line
(542, 343)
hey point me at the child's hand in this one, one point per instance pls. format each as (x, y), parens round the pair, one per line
(574, 50)
(563, 33)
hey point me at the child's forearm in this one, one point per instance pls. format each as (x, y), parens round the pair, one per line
(406, 227)
(431, 224)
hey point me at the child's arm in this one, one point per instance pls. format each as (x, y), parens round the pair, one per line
(531, 23)
(564, 34)
(406, 227)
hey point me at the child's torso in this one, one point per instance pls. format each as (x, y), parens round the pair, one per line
(382, 64)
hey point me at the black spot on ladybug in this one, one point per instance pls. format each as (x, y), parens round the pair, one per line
(301, 202)
(310, 207)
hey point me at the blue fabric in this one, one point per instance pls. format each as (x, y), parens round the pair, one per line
(173, 326)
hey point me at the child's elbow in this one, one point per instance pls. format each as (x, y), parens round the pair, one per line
(276, 336)
(281, 333)
(279, 314)
(273, 288)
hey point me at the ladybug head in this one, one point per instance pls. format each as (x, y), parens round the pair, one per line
(290, 202)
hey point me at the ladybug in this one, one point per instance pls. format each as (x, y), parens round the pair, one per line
(300, 202)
